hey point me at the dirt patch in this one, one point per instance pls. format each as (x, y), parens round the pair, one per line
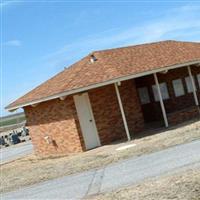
(32, 169)
(184, 185)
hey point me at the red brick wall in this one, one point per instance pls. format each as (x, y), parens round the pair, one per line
(132, 106)
(107, 113)
(183, 115)
(58, 120)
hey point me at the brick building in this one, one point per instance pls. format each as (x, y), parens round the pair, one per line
(113, 94)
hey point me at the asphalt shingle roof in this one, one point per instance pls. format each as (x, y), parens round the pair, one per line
(113, 64)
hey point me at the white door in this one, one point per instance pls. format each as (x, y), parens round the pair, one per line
(86, 119)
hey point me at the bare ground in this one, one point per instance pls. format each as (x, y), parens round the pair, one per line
(32, 169)
(184, 185)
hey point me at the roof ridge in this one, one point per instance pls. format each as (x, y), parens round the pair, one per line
(126, 47)
(82, 74)
(141, 44)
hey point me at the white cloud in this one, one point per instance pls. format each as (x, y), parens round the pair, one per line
(15, 43)
(5, 3)
(180, 23)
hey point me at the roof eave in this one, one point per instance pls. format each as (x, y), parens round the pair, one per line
(93, 86)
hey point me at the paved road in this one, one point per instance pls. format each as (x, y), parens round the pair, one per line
(114, 176)
(15, 151)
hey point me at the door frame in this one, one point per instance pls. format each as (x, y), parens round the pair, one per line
(92, 116)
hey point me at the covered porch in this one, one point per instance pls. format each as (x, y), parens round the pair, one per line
(146, 102)
(178, 99)
(166, 98)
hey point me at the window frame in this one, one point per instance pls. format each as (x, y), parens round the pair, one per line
(146, 99)
(155, 92)
(198, 80)
(177, 92)
(188, 83)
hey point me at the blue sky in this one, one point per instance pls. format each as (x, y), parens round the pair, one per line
(40, 38)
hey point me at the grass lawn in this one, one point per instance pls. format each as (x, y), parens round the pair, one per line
(12, 121)
(32, 169)
(183, 185)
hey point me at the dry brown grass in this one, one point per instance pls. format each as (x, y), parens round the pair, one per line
(184, 185)
(32, 169)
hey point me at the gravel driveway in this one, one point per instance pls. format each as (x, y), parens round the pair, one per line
(114, 176)
(15, 151)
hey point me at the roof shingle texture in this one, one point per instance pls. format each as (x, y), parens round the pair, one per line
(112, 64)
